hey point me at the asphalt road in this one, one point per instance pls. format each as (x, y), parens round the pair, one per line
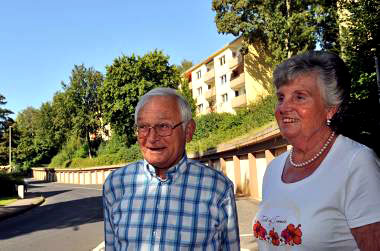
(71, 218)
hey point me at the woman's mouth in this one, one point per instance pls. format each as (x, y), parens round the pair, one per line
(289, 120)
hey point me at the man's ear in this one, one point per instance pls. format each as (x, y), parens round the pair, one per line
(190, 129)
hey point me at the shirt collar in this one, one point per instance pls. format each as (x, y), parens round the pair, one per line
(171, 174)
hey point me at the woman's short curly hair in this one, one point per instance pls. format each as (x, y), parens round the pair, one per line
(333, 76)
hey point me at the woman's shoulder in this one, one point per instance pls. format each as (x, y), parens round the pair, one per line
(277, 164)
(280, 159)
(357, 154)
(353, 147)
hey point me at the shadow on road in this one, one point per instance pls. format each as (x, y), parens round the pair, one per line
(67, 214)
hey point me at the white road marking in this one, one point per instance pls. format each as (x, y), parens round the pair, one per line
(100, 247)
(246, 235)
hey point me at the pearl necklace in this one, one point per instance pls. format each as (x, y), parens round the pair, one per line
(316, 156)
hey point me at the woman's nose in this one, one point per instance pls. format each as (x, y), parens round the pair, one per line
(285, 105)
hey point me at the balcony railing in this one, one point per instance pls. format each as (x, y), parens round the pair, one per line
(210, 94)
(235, 62)
(237, 82)
(210, 76)
(239, 101)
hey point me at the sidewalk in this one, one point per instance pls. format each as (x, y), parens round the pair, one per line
(247, 209)
(20, 206)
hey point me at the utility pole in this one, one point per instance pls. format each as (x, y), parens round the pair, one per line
(377, 76)
(377, 71)
(10, 145)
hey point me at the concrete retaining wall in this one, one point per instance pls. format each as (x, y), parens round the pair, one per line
(243, 161)
(83, 176)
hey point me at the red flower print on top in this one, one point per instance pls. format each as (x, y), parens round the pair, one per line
(259, 231)
(274, 236)
(291, 235)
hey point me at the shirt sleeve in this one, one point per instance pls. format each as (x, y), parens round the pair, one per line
(109, 237)
(363, 189)
(230, 233)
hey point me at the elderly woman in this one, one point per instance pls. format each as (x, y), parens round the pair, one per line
(323, 194)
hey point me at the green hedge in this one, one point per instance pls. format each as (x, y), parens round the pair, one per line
(216, 128)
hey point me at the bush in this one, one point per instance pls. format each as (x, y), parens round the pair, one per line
(112, 146)
(208, 124)
(108, 157)
(213, 129)
(74, 148)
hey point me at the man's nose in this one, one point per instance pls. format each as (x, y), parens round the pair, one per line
(152, 134)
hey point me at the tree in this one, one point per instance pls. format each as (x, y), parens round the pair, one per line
(127, 79)
(4, 116)
(185, 91)
(285, 27)
(61, 115)
(26, 124)
(5, 122)
(184, 88)
(359, 37)
(82, 98)
(184, 66)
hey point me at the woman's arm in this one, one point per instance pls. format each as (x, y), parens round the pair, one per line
(367, 237)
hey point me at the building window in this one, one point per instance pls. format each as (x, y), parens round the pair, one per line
(199, 74)
(200, 108)
(240, 92)
(209, 87)
(222, 60)
(199, 91)
(223, 79)
(224, 98)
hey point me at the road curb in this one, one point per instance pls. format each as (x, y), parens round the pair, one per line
(20, 207)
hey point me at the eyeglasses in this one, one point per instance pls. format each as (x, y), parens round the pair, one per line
(162, 129)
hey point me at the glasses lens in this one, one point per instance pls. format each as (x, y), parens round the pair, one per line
(163, 129)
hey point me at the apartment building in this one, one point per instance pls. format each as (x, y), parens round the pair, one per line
(228, 80)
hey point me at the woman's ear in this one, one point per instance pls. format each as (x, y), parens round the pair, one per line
(331, 111)
(190, 129)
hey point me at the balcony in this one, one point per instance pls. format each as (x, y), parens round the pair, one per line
(237, 82)
(210, 94)
(239, 101)
(235, 62)
(210, 76)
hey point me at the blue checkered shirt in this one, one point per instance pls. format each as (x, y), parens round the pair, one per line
(193, 209)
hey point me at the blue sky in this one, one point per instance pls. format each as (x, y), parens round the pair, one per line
(42, 40)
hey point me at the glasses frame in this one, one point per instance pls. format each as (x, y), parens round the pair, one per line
(154, 127)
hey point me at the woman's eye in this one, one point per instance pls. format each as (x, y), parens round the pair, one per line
(300, 97)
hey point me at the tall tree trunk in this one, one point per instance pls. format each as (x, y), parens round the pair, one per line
(88, 143)
(287, 40)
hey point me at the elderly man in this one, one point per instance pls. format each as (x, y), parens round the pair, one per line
(167, 201)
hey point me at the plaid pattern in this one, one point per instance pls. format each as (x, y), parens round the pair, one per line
(193, 209)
